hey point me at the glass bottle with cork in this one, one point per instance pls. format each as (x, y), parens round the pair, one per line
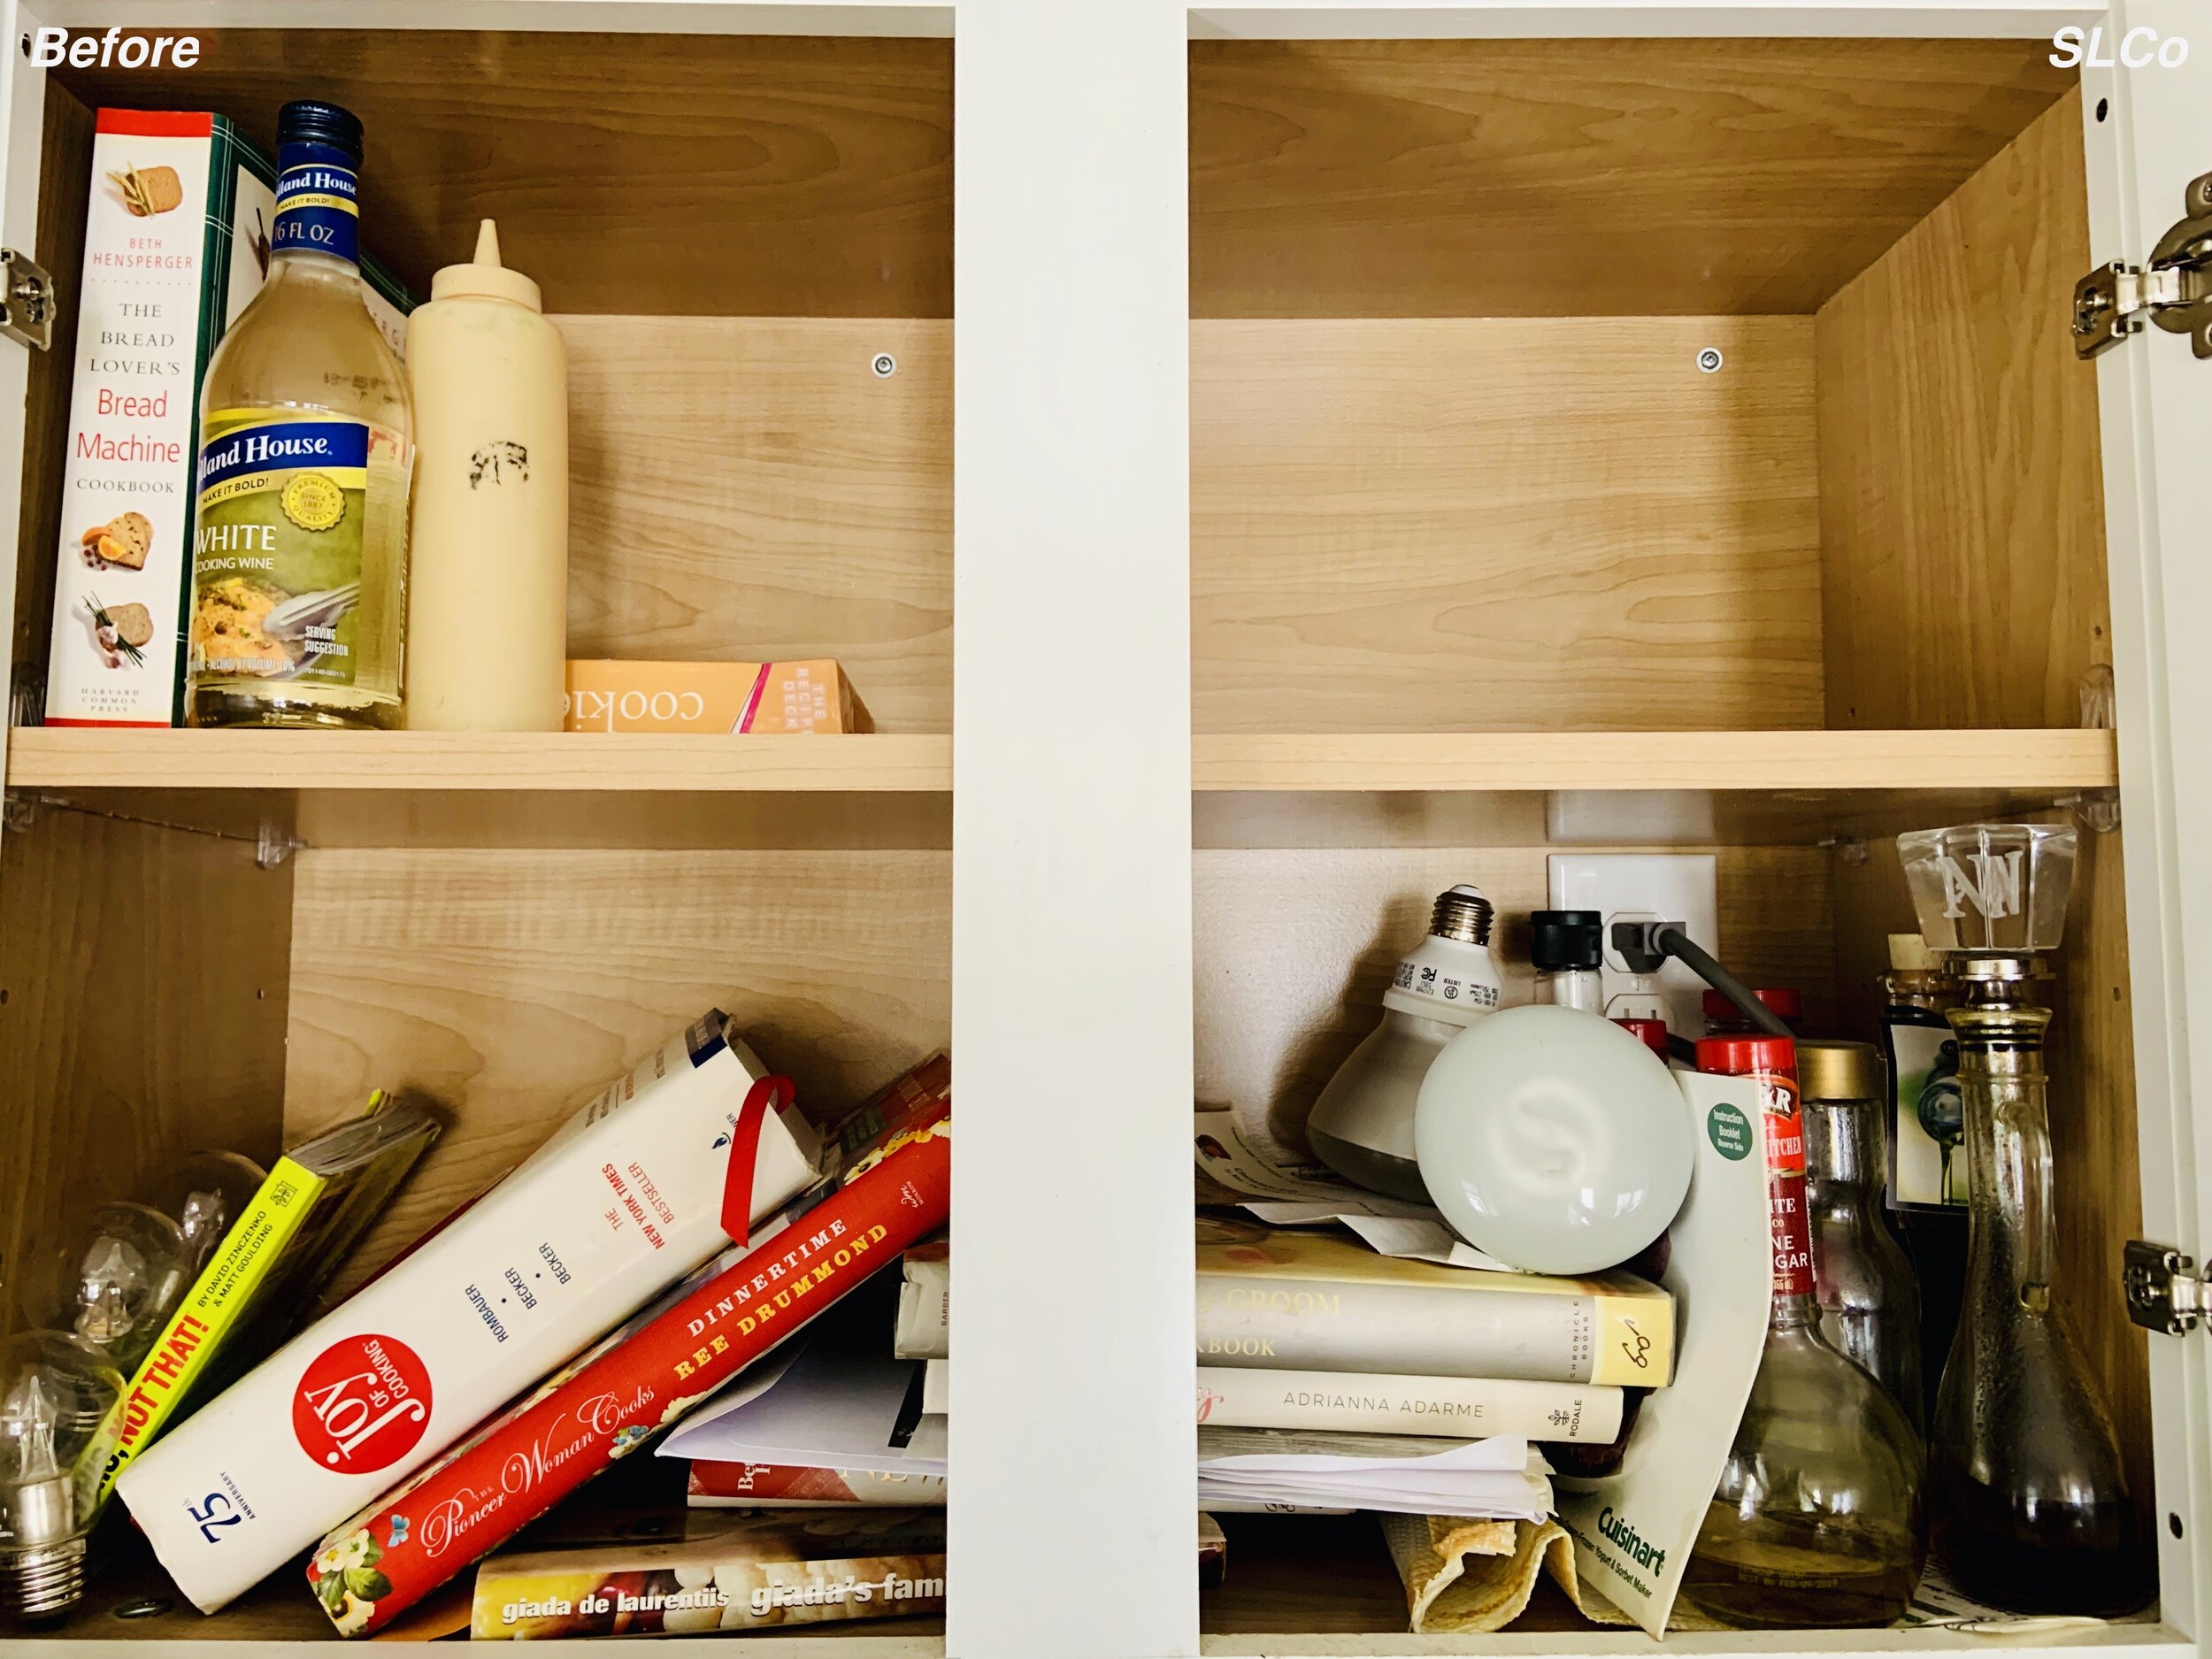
(1817, 1520)
(299, 549)
(1870, 1304)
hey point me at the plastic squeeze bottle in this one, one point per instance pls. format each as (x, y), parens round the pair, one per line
(487, 601)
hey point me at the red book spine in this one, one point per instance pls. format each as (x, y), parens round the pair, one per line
(483, 1494)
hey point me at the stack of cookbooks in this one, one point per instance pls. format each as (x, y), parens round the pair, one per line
(670, 1232)
(1350, 1356)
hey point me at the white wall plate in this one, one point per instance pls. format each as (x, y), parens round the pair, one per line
(1646, 886)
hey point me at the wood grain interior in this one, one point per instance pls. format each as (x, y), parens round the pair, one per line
(1540, 523)
(507, 988)
(1293, 950)
(707, 174)
(64, 185)
(2091, 1061)
(1592, 177)
(1961, 490)
(746, 487)
(143, 1010)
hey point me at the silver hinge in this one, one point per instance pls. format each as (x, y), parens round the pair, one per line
(2174, 292)
(27, 302)
(2165, 1292)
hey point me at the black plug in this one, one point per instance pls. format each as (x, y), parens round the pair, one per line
(1639, 945)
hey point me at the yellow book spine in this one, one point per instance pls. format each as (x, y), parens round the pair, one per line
(218, 1300)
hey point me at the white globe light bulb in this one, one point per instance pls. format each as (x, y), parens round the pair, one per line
(1553, 1140)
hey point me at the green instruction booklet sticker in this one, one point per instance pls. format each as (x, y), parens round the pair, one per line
(1730, 1132)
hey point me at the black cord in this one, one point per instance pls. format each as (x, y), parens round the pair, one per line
(1679, 945)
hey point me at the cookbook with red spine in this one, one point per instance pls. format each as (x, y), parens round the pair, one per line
(640, 1381)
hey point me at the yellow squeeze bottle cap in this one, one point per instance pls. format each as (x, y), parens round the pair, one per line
(484, 277)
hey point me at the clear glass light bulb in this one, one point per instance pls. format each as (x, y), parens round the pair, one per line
(59, 1418)
(114, 1280)
(204, 1192)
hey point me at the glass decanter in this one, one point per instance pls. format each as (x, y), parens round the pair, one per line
(1817, 1518)
(2031, 1508)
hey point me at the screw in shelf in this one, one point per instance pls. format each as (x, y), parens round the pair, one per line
(1709, 361)
(885, 366)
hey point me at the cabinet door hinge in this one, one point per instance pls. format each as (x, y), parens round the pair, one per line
(2174, 292)
(27, 300)
(2164, 1290)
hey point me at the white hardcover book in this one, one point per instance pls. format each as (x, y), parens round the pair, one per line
(1357, 1402)
(622, 1200)
(1284, 1299)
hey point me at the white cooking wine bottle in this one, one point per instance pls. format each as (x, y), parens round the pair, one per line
(299, 545)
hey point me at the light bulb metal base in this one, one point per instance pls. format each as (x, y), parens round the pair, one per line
(44, 1579)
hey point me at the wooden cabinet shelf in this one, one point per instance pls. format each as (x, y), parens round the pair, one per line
(627, 761)
(1391, 762)
(504, 789)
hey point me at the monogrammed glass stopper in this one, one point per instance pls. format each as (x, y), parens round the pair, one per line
(1990, 889)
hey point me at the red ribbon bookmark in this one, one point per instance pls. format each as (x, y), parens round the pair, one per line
(737, 1185)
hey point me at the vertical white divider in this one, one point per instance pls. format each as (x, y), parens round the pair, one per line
(1073, 1484)
(2146, 137)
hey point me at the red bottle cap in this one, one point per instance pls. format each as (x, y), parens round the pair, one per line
(1740, 1056)
(1651, 1032)
(1781, 1001)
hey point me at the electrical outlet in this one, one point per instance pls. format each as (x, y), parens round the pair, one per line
(1645, 887)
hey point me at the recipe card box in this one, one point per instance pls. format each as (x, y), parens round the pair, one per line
(812, 696)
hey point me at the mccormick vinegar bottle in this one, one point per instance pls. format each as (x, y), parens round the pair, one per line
(299, 546)
(1817, 1520)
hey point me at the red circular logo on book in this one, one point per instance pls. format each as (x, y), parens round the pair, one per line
(362, 1404)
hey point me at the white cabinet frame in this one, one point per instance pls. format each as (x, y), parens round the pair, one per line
(1072, 1448)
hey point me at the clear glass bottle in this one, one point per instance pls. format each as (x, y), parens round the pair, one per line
(1870, 1303)
(299, 546)
(2030, 1507)
(1817, 1520)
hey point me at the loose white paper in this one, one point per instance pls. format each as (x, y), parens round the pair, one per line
(1310, 1195)
(832, 1409)
(1229, 1157)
